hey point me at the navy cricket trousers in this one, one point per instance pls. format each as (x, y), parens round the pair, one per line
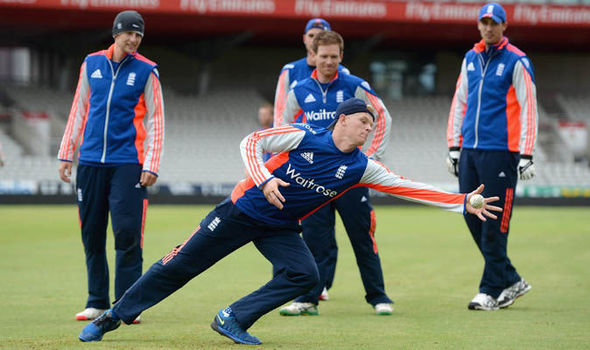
(101, 190)
(224, 230)
(497, 170)
(359, 220)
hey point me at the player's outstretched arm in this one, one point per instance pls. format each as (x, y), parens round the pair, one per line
(485, 209)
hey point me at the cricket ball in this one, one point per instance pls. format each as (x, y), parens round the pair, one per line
(476, 201)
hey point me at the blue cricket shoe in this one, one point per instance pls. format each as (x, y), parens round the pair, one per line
(96, 329)
(225, 324)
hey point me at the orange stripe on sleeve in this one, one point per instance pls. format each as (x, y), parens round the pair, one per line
(513, 125)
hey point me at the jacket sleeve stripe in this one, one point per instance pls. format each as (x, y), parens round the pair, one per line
(384, 180)
(159, 124)
(458, 110)
(526, 95)
(531, 114)
(76, 118)
(155, 124)
(382, 128)
(281, 97)
(252, 151)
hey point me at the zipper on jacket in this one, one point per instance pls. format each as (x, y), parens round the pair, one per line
(106, 121)
(324, 93)
(483, 73)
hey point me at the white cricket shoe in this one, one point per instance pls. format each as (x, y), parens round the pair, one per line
(324, 296)
(89, 314)
(483, 302)
(510, 294)
(384, 309)
(300, 309)
(137, 320)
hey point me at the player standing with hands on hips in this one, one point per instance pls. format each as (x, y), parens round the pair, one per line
(265, 209)
(118, 113)
(491, 137)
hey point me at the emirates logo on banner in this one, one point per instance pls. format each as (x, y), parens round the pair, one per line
(346, 8)
(231, 6)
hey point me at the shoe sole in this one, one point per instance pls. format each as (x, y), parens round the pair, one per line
(477, 307)
(86, 341)
(83, 318)
(384, 313)
(224, 333)
(303, 313)
(503, 306)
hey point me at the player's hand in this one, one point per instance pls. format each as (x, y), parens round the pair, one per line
(453, 161)
(484, 210)
(65, 171)
(272, 193)
(147, 179)
(526, 168)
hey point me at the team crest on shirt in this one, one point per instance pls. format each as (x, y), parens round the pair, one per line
(131, 79)
(500, 69)
(340, 172)
(339, 96)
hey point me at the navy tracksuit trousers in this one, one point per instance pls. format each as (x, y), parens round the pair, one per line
(224, 230)
(101, 190)
(359, 220)
(498, 171)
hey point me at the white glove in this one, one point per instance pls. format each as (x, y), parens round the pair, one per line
(526, 168)
(453, 161)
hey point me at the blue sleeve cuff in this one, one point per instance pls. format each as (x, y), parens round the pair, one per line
(465, 204)
(151, 172)
(267, 180)
(64, 160)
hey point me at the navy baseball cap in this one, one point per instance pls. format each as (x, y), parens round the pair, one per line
(319, 23)
(351, 106)
(494, 11)
(128, 21)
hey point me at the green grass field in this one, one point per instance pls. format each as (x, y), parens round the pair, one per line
(431, 269)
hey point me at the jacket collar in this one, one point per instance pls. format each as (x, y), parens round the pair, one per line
(481, 45)
(314, 75)
(109, 52)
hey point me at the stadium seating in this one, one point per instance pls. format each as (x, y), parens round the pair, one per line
(203, 135)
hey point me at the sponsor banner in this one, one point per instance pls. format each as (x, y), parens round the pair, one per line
(374, 10)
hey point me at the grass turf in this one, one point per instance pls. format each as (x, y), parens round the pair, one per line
(431, 270)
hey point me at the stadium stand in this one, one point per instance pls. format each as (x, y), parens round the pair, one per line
(203, 135)
(577, 107)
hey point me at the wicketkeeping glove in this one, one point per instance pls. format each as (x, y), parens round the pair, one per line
(526, 168)
(453, 160)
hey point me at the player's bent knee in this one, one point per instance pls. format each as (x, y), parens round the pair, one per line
(307, 276)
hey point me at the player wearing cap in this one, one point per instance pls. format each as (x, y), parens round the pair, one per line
(290, 75)
(117, 107)
(301, 69)
(314, 101)
(265, 209)
(491, 137)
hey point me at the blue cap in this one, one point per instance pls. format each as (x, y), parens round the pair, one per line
(319, 23)
(494, 11)
(352, 106)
